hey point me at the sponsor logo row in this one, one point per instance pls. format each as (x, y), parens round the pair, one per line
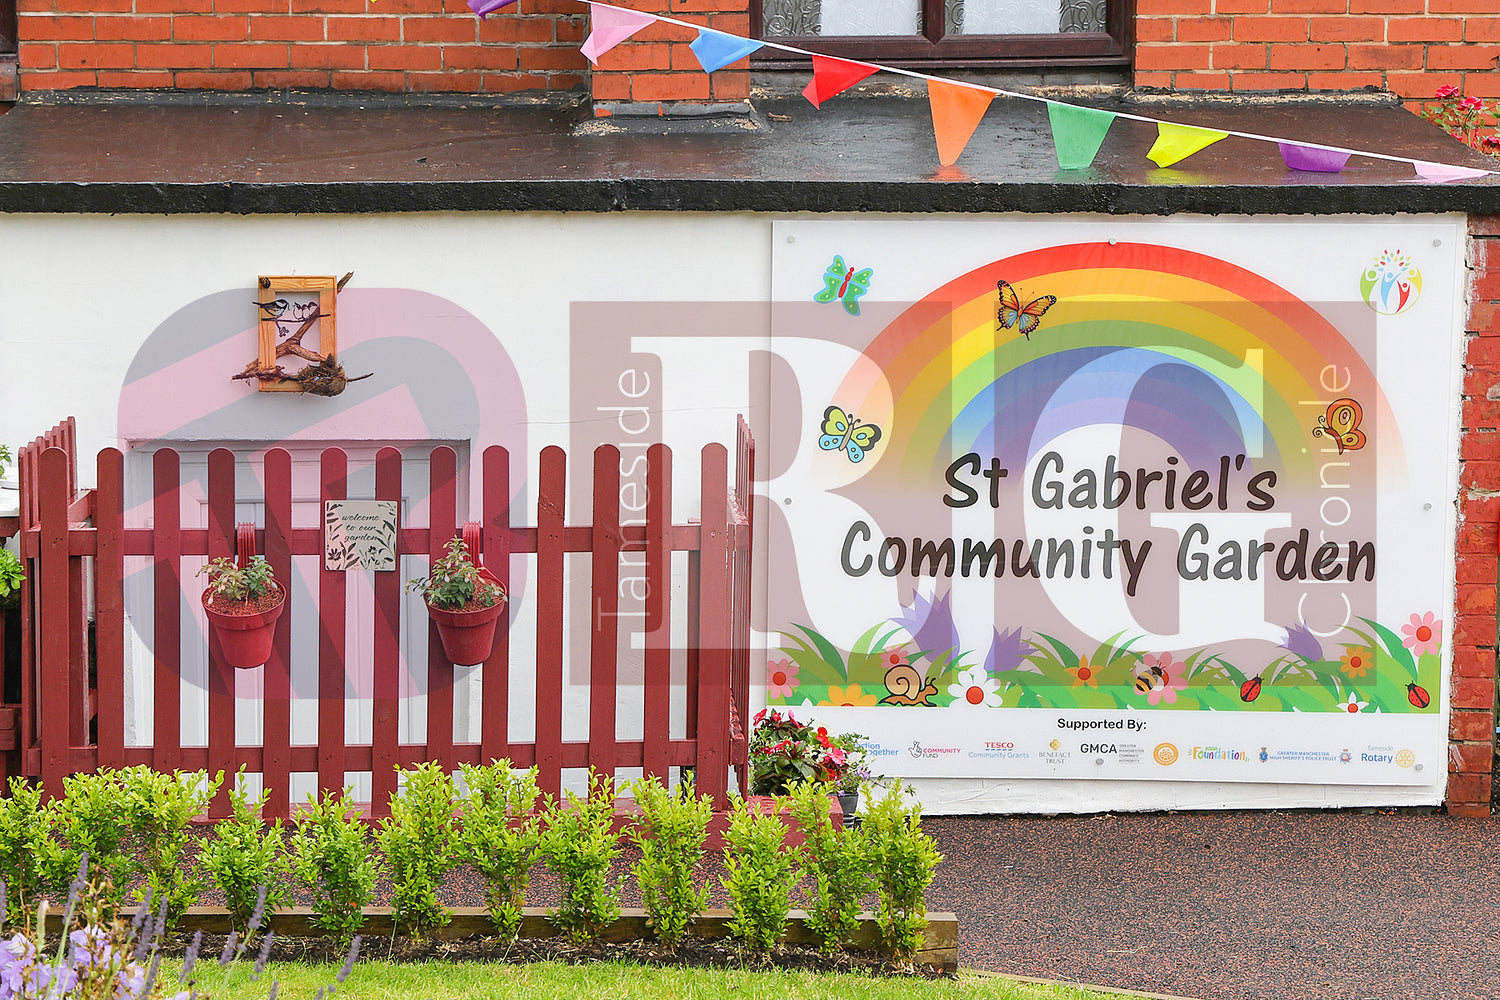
(1164, 754)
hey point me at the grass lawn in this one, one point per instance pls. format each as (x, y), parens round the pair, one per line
(377, 980)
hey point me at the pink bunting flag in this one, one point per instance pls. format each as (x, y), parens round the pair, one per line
(611, 26)
(1442, 172)
(834, 76)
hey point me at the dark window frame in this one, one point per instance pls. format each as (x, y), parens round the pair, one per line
(932, 50)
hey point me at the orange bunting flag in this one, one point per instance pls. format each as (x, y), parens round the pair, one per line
(956, 111)
(832, 77)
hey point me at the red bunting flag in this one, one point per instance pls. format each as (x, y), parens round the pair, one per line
(832, 77)
(956, 111)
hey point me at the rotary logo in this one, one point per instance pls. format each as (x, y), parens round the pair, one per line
(1165, 754)
(1391, 284)
(1405, 758)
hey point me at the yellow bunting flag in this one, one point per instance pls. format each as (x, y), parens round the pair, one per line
(956, 111)
(1178, 142)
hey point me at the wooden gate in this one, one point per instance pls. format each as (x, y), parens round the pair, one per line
(75, 544)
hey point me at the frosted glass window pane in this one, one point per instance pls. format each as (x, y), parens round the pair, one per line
(792, 18)
(1024, 17)
(872, 17)
(1010, 17)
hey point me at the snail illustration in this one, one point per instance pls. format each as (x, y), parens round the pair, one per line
(907, 686)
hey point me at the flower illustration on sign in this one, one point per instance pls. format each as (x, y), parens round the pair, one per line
(781, 678)
(851, 696)
(1356, 661)
(1423, 635)
(1352, 704)
(1391, 284)
(975, 688)
(1084, 674)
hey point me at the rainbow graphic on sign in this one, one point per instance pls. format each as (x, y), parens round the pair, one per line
(1137, 334)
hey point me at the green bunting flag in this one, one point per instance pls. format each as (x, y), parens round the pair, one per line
(1077, 133)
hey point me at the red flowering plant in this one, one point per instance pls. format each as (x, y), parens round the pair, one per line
(784, 751)
(1470, 120)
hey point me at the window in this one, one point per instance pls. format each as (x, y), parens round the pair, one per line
(935, 33)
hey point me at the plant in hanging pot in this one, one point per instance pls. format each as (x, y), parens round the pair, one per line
(465, 601)
(242, 604)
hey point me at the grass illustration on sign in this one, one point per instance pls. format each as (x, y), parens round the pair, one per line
(1369, 669)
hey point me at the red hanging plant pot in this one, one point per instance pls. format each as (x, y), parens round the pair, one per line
(468, 636)
(472, 600)
(245, 636)
(242, 603)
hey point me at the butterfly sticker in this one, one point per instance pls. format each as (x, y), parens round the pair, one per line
(1341, 422)
(1013, 313)
(844, 284)
(841, 432)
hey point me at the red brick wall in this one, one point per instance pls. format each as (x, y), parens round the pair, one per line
(656, 64)
(1472, 731)
(1409, 47)
(391, 45)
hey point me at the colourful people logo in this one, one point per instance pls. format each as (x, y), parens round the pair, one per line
(1391, 284)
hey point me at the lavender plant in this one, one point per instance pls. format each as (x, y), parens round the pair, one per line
(499, 836)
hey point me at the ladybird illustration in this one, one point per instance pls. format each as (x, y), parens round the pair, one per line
(1418, 696)
(1250, 690)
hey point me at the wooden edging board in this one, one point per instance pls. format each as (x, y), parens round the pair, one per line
(939, 948)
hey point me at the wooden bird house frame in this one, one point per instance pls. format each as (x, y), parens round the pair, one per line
(270, 289)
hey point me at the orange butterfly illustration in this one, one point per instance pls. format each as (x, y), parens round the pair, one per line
(1012, 313)
(1341, 422)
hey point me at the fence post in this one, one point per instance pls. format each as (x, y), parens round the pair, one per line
(604, 607)
(713, 681)
(55, 692)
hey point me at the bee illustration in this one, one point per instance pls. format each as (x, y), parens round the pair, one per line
(1150, 679)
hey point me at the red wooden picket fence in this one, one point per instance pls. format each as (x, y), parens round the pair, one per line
(75, 544)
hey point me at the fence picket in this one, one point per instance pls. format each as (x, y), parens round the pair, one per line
(221, 679)
(276, 707)
(550, 506)
(333, 589)
(713, 680)
(494, 729)
(386, 680)
(604, 609)
(166, 624)
(109, 598)
(443, 519)
(657, 721)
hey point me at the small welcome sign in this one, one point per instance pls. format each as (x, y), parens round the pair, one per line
(359, 535)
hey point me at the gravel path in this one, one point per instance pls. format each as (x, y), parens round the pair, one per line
(1230, 906)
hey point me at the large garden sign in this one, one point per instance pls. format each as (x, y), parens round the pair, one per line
(1165, 501)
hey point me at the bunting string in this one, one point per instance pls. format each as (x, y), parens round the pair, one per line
(1078, 130)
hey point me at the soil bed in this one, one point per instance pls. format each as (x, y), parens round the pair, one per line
(693, 952)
